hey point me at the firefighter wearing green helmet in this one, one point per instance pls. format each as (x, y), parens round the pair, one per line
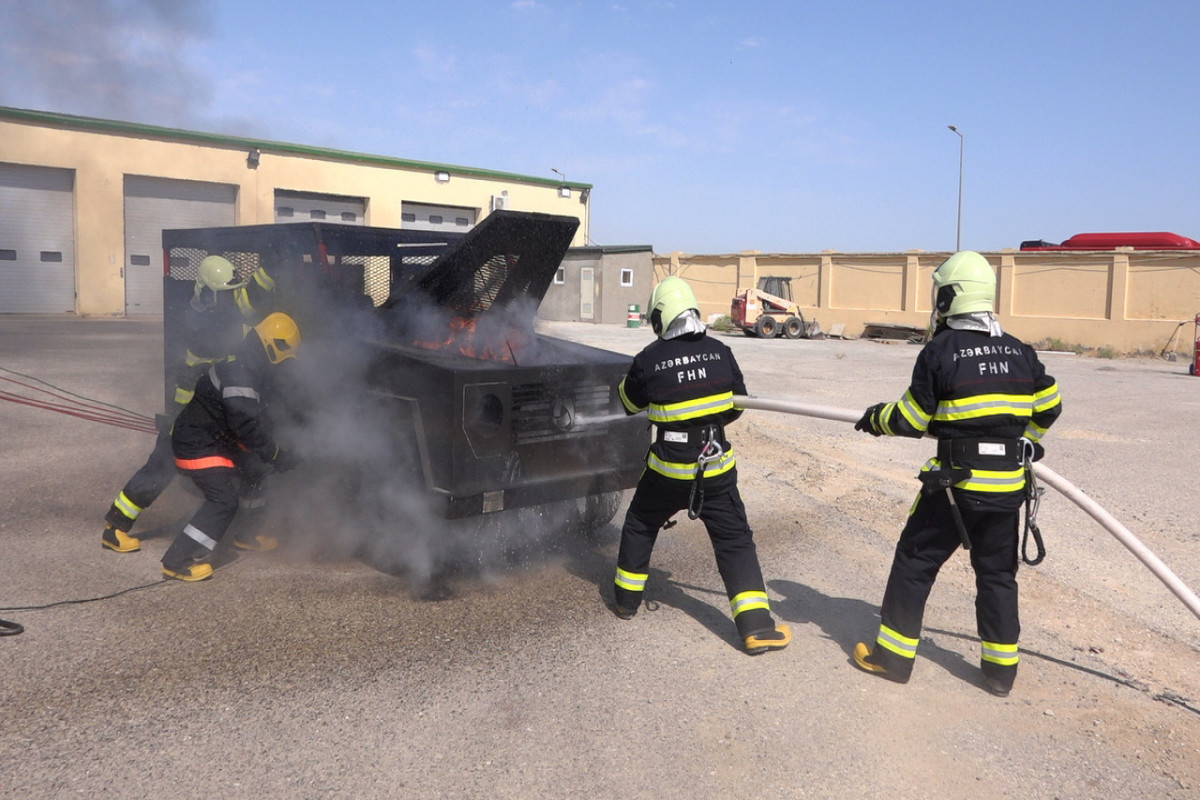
(211, 326)
(686, 382)
(986, 398)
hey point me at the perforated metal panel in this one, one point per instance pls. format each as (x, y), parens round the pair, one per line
(37, 240)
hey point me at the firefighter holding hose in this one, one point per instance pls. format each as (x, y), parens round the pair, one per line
(986, 398)
(686, 382)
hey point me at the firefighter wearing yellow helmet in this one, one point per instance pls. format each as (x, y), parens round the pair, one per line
(686, 381)
(224, 421)
(986, 398)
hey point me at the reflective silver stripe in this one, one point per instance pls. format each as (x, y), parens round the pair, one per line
(912, 412)
(1046, 399)
(625, 401)
(631, 581)
(239, 391)
(897, 643)
(748, 601)
(985, 480)
(212, 376)
(701, 406)
(1019, 405)
(685, 471)
(1003, 654)
(200, 537)
(127, 506)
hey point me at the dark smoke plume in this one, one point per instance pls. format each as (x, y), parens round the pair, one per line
(116, 59)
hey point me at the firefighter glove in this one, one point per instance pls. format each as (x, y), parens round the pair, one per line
(284, 460)
(870, 420)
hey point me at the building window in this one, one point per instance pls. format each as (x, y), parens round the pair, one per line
(139, 261)
(627, 277)
(435, 219)
(349, 216)
(52, 256)
(316, 213)
(8, 255)
(408, 216)
(560, 276)
(285, 211)
(462, 222)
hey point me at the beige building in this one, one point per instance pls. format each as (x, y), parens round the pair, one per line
(1128, 300)
(83, 202)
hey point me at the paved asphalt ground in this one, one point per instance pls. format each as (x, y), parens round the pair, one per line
(306, 674)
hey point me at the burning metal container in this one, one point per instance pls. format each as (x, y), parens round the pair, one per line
(472, 406)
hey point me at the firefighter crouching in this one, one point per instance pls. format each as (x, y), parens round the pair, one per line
(686, 382)
(987, 399)
(212, 331)
(224, 428)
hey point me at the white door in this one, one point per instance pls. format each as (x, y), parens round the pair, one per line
(587, 293)
(37, 240)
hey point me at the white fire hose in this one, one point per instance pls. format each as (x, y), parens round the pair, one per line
(1044, 473)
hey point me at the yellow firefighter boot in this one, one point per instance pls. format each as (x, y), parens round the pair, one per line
(762, 641)
(119, 541)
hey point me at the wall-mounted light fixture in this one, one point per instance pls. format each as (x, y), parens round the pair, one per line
(564, 191)
(584, 194)
(442, 176)
(252, 158)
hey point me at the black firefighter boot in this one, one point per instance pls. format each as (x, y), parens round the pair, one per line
(185, 560)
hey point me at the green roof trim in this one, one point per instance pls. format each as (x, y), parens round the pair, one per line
(265, 145)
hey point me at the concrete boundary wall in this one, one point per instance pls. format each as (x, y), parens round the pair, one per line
(1126, 300)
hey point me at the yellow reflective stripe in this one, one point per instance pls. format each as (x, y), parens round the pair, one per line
(127, 506)
(631, 581)
(984, 405)
(748, 601)
(899, 644)
(912, 411)
(183, 396)
(243, 301)
(630, 406)
(193, 360)
(1046, 399)
(685, 472)
(263, 279)
(691, 409)
(884, 415)
(986, 480)
(1003, 654)
(1033, 431)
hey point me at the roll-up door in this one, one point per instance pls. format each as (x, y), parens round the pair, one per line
(37, 240)
(422, 217)
(152, 204)
(305, 206)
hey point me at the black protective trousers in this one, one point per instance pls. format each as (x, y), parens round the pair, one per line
(655, 500)
(150, 481)
(928, 540)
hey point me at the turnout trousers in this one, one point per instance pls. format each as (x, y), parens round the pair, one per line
(655, 500)
(928, 540)
(144, 487)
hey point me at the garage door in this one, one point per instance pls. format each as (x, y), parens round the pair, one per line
(304, 206)
(37, 240)
(422, 217)
(152, 204)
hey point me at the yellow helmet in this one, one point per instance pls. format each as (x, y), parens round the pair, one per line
(279, 335)
(963, 283)
(670, 298)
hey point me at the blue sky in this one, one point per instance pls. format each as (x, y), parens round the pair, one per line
(706, 127)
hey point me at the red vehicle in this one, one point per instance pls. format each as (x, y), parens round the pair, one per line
(1152, 240)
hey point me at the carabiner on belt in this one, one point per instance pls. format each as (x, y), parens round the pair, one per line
(710, 451)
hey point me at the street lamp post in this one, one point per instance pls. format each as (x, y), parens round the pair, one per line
(958, 229)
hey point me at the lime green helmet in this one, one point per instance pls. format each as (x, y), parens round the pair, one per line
(671, 298)
(963, 283)
(216, 273)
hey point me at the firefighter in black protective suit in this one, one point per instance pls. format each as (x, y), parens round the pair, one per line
(224, 421)
(987, 399)
(213, 325)
(686, 382)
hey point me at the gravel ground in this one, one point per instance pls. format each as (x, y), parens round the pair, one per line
(305, 674)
